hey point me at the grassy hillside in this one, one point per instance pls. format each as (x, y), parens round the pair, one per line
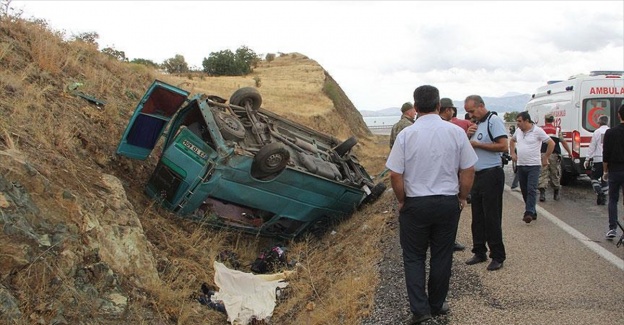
(81, 243)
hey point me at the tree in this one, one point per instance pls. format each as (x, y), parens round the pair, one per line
(119, 55)
(245, 54)
(510, 116)
(87, 37)
(176, 64)
(227, 63)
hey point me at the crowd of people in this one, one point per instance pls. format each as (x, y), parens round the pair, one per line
(436, 166)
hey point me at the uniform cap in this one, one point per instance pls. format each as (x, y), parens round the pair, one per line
(406, 107)
(549, 117)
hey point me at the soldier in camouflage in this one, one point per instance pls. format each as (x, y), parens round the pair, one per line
(407, 119)
(551, 174)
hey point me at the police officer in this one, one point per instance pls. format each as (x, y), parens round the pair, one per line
(552, 173)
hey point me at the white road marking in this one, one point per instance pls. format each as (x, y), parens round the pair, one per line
(604, 253)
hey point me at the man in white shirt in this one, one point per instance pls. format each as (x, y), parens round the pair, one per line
(525, 147)
(431, 170)
(594, 158)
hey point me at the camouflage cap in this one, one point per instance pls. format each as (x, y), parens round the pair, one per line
(446, 102)
(406, 107)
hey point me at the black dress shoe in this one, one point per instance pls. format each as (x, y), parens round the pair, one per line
(476, 258)
(443, 311)
(494, 265)
(458, 247)
(417, 319)
(527, 217)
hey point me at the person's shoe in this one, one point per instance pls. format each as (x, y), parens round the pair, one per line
(494, 265)
(458, 247)
(534, 216)
(611, 233)
(514, 187)
(517, 189)
(601, 199)
(417, 319)
(476, 258)
(527, 217)
(556, 195)
(443, 311)
(542, 197)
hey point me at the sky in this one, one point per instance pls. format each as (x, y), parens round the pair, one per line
(377, 51)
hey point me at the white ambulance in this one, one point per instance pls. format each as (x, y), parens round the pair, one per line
(576, 104)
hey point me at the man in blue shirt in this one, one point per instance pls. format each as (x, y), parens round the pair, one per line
(489, 139)
(431, 171)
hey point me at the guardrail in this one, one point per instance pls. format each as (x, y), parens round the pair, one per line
(380, 129)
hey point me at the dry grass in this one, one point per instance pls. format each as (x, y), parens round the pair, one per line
(56, 147)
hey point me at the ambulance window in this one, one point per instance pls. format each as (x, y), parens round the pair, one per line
(592, 110)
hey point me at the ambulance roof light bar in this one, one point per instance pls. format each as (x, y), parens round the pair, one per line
(609, 74)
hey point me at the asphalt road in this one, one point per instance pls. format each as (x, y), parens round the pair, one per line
(577, 209)
(560, 269)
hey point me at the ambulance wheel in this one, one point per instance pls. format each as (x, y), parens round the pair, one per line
(270, 160)
(344, 147)
(566, 178)
(230, 126)
(247, 96)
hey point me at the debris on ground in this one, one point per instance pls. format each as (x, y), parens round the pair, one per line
(73, 89)
(247, 296)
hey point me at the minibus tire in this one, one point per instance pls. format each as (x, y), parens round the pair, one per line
(247, 96)
(345, 146)
(230, 126)
(271, 159)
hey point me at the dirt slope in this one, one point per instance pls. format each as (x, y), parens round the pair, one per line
(80, 243)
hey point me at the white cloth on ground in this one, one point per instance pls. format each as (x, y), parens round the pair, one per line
(247, 295)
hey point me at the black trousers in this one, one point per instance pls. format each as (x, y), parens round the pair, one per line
(487, 213)
(428, 222)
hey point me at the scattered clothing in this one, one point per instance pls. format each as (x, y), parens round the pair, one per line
(246, 296)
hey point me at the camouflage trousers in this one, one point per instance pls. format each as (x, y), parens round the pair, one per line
(551, 174)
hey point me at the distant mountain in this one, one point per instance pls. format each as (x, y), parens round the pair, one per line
(392, 111)
(511, 102)
(506, 104)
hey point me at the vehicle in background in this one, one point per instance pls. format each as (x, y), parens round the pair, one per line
(576, 105)
(237, 165)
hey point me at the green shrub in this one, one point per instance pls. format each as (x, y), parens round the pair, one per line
(176, 64)
(227, 63)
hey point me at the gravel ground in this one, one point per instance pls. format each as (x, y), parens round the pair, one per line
(391, 304)
(549, 278)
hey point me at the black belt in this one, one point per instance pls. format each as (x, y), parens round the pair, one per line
(483, 171)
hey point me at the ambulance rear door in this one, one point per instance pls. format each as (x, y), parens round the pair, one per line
(601, 97)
